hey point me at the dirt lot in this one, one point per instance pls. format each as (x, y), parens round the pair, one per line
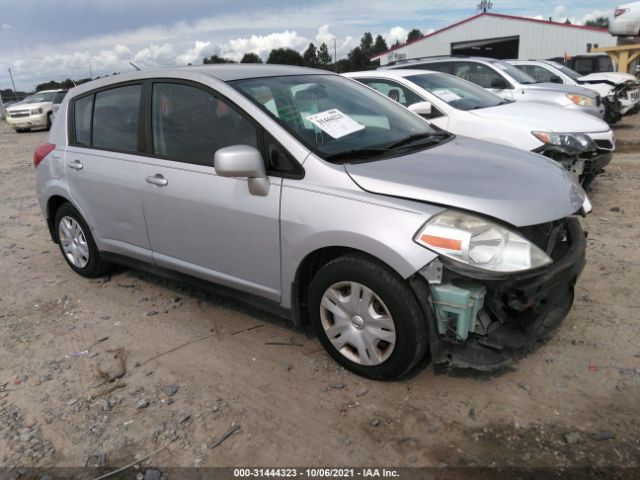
(198, 365)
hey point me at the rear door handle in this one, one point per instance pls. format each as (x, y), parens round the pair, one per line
(158, 180)
(76, 165)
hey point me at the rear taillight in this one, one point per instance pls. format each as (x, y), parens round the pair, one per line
(621, 11)
(42, 151)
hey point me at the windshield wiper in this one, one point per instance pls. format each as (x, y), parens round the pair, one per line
(357, 153)
(435, 137)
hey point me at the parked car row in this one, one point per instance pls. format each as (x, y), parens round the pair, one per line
(35, 111)
(531, 118)
(328, 203)
(619, 91)
(581, 143)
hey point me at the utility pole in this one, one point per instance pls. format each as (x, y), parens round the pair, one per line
(485, 5)
(15, 93)
(90, 70)
(335, 54)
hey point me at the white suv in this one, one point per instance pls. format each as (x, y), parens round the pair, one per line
(34, 111)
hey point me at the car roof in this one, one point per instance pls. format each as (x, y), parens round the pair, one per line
(396, 72)
(222, 72)
(440, 58)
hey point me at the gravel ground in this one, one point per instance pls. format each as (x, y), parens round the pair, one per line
(199, 366)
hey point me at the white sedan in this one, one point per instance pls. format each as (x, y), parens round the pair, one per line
(582, 143)
(626, 21)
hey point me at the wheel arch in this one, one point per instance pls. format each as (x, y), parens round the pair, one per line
(310, 265)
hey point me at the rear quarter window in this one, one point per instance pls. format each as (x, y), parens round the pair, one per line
(82, 111)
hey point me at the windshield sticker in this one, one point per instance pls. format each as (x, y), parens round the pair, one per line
(335, 123)
(446, 95)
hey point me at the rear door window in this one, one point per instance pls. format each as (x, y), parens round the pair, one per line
(393, 90)
(115, 118)
(539, 73)
(477, 73)
(189, 124)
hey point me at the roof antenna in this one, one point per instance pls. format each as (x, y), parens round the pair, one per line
(134, 66)
(485, 5)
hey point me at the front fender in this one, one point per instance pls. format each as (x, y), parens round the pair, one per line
(381, 227)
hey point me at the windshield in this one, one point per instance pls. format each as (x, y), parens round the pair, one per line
(456, 92)
(338, 118)
(39, 97)
(566, 70)
(513, 72)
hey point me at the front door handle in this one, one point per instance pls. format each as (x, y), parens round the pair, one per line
(76, 165)
(158, 180)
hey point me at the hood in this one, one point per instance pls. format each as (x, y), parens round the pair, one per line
(539, 116)
(517, 187)
(564, 89)
(612, 77)
(26, 106)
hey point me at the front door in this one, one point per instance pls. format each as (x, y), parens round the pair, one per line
(199, 223)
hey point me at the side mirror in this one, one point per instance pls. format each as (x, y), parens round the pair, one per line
(421, 108)
(499, 83)
(243, 161)
(556, 79)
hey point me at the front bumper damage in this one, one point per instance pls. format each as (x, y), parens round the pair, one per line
(519, 310)
(584, 167)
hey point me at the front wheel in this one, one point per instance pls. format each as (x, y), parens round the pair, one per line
(49, 120)
(76, 243)
(367, 318)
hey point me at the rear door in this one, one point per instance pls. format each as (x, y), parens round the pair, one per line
(199, 223)
(103, 170)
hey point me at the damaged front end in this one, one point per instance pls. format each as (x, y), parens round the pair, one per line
(579, 154)
(481, 319)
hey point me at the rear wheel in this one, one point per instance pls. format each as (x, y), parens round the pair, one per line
(76, 243)
(367, 318)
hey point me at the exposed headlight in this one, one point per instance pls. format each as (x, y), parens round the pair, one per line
(480, 243)
(36, 111)
(621, 11)
(582, 100)
(572, 142)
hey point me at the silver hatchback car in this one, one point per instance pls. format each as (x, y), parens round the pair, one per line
(320, 199)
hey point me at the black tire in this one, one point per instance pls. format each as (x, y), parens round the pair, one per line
(95, 266)
(49, 115)
(411, 342)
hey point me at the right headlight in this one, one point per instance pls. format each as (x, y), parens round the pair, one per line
(572, 142)
(480, 243)
(582, 100)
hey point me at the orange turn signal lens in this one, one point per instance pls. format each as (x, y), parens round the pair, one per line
(442, 242)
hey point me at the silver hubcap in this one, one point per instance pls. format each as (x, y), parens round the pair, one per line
(73, 242)
(358, 323)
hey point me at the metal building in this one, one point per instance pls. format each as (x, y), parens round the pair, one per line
(503, 36)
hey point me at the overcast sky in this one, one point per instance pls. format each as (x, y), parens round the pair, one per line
(56, 39)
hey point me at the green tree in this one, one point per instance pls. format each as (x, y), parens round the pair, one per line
(366, 44)
(358, 60)
(324, 59)
(251, 58)
(285, 56)
(414, 34)
(380, 45)
(600, 22)
(343, 65)
(216, 59)
(310, 57)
